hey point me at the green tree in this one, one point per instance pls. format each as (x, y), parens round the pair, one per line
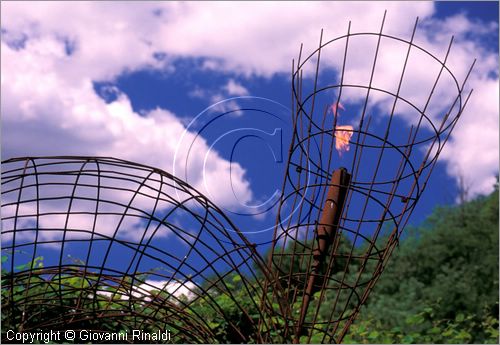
(448, 265)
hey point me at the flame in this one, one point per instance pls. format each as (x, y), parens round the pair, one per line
(335, 106)
(342, 136)
(343, 133)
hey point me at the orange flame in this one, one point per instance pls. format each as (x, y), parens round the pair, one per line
(335, 106)
(343, 134)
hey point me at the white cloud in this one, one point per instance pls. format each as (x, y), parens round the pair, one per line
(47, 94)
(223, 99)
(264, 37)
(235, 89)
(148, 290)
(124, 202)
(473, 151)
(60, 117)
(221, 104)
(177, 289)
(251, 37)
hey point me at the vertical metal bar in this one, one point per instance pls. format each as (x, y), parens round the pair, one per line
(325, 235)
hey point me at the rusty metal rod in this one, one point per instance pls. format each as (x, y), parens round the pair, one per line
(325, 235)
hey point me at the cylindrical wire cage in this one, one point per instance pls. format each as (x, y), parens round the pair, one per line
(372, 127)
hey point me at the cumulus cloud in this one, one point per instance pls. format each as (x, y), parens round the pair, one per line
(262, 38)
(175, 289)
(150, 288)
(233, 88)
(47, 114)
(52, 51)
(472, 153)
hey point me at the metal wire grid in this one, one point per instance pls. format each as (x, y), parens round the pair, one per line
(123, 218)
(380, 199)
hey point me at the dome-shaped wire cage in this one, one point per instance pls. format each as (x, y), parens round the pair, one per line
(149, 252)
(122, 259)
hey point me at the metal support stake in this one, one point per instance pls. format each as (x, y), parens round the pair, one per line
(325, 235)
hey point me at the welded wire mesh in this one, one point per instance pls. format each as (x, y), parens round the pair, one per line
(388, 140)
(132, 267)
(150, 252)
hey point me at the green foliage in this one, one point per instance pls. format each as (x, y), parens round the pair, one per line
(33, 299)
(295, 259)
(441, 284)
(238, 307)
(460, 330)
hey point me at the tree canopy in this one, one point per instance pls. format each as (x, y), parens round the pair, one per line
(441, 284)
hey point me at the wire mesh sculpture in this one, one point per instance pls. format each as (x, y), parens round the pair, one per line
(338, 226)
(99, 207)
(348, 192)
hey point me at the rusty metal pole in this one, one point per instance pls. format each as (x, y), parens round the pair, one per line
(325, 236)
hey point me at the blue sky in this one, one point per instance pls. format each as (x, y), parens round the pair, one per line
(143, 81)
